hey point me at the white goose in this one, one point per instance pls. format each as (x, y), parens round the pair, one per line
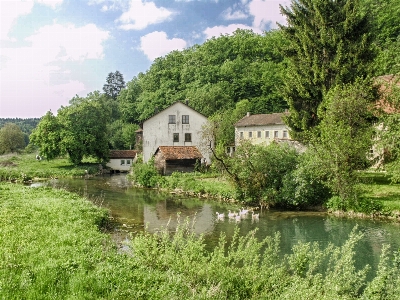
(255, 216)
(244, 211)
(231, 214)
(220, 216)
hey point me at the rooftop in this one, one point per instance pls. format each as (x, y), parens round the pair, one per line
(179, 152)
(123, 153)
(261, 119)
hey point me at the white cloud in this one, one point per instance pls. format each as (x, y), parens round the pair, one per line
(157, 44)
(142, 14)
(266, 13)
(234, 14)
(26, 73)
(218, 30)
(52, 3)
(10, 11)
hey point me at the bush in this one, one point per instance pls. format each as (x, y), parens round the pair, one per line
(145, 174)
(302, 187)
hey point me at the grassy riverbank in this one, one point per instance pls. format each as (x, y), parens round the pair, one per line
(25, 167)
(52, 247)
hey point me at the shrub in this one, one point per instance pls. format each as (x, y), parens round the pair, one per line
(145, 174)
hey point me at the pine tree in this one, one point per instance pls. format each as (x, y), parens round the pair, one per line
(115, 83)
(329, 44)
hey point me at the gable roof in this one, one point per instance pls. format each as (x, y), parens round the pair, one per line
(179, 152)
(173, 104)
(261, 119)
(386, 84)
(123, 153)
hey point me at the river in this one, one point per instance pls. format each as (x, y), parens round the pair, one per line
(135, 209)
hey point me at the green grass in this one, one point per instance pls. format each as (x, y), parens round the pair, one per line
(24, 167)
(379, 187)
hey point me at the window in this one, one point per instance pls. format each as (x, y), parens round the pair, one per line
(185, 119)
(276, 134)
(258, 134)
(285, 134)
(188, 137)
(267, 134)
(128, 161)
(171, 119)
(176, 137)
(250, 134)
(241, 134)
(122, 162)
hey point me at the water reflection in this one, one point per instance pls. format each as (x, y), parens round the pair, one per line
(139, 209)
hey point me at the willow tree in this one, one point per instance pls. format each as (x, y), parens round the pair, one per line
(329, 43)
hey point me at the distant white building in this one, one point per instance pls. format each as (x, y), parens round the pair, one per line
(261, 129)
(177, 125)
(121, 160)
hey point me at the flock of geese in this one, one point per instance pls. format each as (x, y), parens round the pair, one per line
(238, 216)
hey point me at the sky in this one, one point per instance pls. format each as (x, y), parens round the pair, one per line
(52, 50)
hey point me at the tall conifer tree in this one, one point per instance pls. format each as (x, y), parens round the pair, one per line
(329, 44)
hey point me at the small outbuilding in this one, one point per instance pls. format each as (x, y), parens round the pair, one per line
(122, 160)
(169, 159)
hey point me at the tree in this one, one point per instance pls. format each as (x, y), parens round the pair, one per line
(11, 138)
(84, 129)
(389, 133)
(115, 83)
(47, 136)
(78, 130)
(345, 138)
(329, 44)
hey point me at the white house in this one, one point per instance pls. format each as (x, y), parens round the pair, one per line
(262, 129)
(121, 160)
(177, 125)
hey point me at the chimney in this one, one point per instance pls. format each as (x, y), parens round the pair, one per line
(248, 114)
(187, 102)
(156, 110)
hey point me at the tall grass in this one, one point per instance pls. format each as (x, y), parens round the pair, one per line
(52, 247)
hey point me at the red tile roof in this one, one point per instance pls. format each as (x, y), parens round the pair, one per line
(386, 84)
(123, 153)
(179, 152)
(261, 119)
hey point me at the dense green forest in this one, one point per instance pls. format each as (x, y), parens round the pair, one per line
(26, 125)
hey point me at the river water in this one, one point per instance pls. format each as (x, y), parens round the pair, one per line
(136, 209)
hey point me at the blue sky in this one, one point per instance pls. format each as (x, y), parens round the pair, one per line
(52, 50)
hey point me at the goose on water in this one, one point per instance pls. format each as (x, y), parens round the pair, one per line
(231, 214)
(244, 211)
(220, 216)
(255, 216)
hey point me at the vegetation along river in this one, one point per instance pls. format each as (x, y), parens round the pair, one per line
(136, 209)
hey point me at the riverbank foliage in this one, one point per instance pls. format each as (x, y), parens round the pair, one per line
(25, 167)
(52, 247)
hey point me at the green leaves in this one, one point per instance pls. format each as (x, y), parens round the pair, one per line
(329, 44)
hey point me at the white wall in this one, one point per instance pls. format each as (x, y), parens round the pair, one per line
(280, 128)
(158, 132)
(115, 164)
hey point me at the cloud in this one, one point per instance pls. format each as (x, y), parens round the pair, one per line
(27, 73)
(218, 30)
(142, 14)
(157, 44)
(12, 10)
(234, 14)
(266, 13)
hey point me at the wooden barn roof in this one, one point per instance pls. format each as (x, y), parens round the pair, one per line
(179, 152)
(261, 120)
(123, 153)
